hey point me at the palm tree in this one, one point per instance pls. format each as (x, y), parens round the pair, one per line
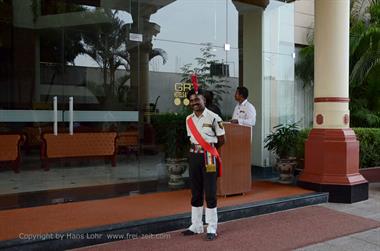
(364, 40)
(304, 67)
(107, 45)
(365, 63)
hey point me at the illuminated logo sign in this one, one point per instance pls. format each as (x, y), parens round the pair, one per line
(180, 93)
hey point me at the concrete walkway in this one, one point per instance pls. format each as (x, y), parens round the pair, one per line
(367, 240)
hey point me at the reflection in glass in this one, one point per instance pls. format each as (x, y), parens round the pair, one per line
(279, 62)
(120, 61)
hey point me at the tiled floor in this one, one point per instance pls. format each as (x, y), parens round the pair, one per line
(91, 172)
(77, 173)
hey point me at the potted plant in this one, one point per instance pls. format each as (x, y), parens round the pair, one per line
(171, 134)
(282, 141)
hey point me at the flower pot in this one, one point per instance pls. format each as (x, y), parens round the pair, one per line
(176, 167)
(299, 168)
(286, 169)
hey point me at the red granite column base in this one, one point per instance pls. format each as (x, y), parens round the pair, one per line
(332, 163)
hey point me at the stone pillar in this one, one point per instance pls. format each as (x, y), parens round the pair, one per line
(139, 76)
(138, 96)
(332, 150)
(26, 62)
(251, 41)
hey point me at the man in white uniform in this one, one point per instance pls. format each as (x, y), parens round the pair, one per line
(245, 112)
(203, 176)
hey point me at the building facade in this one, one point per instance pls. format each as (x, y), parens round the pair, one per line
(126, 65)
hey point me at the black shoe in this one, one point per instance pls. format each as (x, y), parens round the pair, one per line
(188, 232)
(210, 236)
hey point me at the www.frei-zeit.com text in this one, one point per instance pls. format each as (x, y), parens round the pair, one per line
(89, 236)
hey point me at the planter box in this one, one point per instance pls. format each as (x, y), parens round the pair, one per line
(372, 174)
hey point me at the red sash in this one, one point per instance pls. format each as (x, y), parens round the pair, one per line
(206, 146)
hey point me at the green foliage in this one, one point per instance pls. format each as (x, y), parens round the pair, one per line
(369, 146)
(362, 117)
(304, 67)
(300, 142)
(283, 140)
(365, 63)
(365, 51)
(215, 84)
(171, 133)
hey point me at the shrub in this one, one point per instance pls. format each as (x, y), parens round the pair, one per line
(171, 133)
(369, 146)
(300, 143)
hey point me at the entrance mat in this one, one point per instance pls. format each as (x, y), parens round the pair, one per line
(285, 230)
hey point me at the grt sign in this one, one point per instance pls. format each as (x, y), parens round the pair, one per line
(180, 92)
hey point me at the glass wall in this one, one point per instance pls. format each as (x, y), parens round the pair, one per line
(125, 65)
(279, 56)
(279, 84)
(193, 39)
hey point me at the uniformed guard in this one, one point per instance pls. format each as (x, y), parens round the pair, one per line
(206, 134)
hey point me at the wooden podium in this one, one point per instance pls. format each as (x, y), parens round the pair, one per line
(236, 159)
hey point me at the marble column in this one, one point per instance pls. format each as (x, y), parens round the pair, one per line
(332, 150)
